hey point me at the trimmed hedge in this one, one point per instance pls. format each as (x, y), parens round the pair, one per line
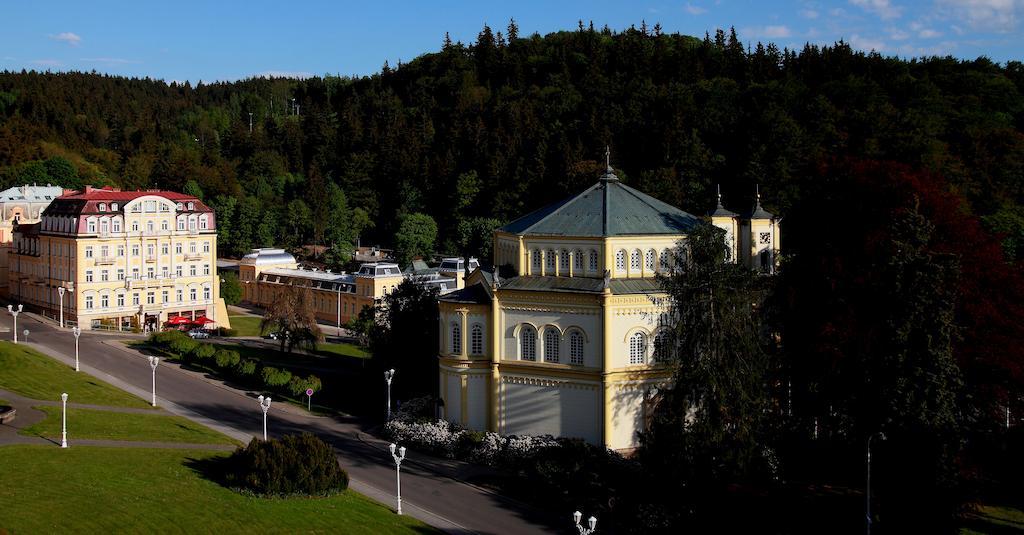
(202, 351)
(246, 367)
(298, 385)
(275, 377)
(292, 465)
(227, 358)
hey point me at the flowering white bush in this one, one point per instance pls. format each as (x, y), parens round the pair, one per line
(444, 438)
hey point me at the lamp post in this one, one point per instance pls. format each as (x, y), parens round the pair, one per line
(388, 375)
(77, 332)
(592, 522)
(14, 312)
(153, 361)
(265, 405)
(64, 420)
(60, 292)
(25, 332)
(867, 492)
(399, 457)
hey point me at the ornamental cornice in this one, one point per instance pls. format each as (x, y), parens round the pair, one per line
(549, 309)
(541, 296)
(547, 382)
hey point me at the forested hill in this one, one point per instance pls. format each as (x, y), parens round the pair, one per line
(480, 133)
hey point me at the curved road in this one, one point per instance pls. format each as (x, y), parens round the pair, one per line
(433, 490)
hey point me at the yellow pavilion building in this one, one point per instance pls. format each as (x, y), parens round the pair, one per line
(565, 336)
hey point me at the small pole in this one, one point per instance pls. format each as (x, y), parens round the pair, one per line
(77, 332)
(153, 361)
(388, 375)
(265, 405)
(64, 421)
(398, 472)
(60, 292)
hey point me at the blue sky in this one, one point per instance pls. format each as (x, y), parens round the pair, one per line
(228, 40)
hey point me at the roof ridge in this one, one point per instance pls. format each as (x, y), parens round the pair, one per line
(641, 197)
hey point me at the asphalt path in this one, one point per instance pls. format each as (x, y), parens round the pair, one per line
(433, 490)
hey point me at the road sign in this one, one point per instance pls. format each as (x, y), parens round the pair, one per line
(309, 391)
(309, 399)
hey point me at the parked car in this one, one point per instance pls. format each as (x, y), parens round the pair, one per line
(198, 334)
(276, 335)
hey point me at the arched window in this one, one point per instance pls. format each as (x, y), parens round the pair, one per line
(191, 206)
(620, 261)
(536, 259)
(103, 207)
(563, 261)
(664, 260)
(104, 225)
(456, 346)
(527, 343)
(661, 350)
(549, 261)
(476, 339)
(577, 260)
(576, 348)
(649, 260)
(552, 339)
(116, 224)
(113, 207)
(634, 260)
(638, 349)
(593, 260)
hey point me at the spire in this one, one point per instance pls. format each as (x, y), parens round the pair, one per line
(757, 212)
(609, 173)
(720, 210)
(718, 188)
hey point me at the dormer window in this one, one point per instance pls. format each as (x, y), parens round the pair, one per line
(103, 207)
(202, 222)
(180, 206)
(191, 206)
(113, 207)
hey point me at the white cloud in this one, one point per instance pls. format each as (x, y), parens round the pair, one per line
(999, 16)
(694, 10)
(866, 43)
(72, 39)
(808, 13)
(771, 32)
(928, 33)
(50, 63)
(110, 61)
(883, 8)
(897, 34)
(283, 74)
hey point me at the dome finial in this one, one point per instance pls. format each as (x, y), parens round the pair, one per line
(608, 158)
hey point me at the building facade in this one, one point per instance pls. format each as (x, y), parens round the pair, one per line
(338, 297)
(569, 342)
(124, 259)
(20, 205)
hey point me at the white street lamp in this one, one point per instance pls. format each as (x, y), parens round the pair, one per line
(77, 332)
(399, 457)
(14, 312)
(388, 375)
(60, 292)
(867, 493)
(153, 361)
(265, 405)
(64, 421)
(592, 522)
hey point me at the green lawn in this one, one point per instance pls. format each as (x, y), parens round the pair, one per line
(105, 425)
(246, 325)
(34, 375)
(103, 490)
(991, 519)
(348, 350)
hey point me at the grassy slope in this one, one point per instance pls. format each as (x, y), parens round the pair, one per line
(104, 425)
(103, 490)
(34, 375)
(990, 519)
(246, 325)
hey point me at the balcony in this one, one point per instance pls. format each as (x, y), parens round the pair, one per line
(190, 257)
(150, 259)
(105, 260)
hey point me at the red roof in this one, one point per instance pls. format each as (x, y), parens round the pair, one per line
(110, 194)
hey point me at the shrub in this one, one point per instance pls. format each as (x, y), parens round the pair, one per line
(227, 358)
(225, 331)
(298, 385)
(182, 346)
(202, 351)
(164, 339)
(292, 465)
(246, 367)
(275, 377)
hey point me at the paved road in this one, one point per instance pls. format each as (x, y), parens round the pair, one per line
(432, 490)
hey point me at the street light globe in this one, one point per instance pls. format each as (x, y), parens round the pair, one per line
(392, 448)
(401, 452)
(64, 396)
(593, 523)
(576, 517)
(260, 399)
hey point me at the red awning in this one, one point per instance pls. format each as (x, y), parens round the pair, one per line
(177, 320)
(203, 320)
